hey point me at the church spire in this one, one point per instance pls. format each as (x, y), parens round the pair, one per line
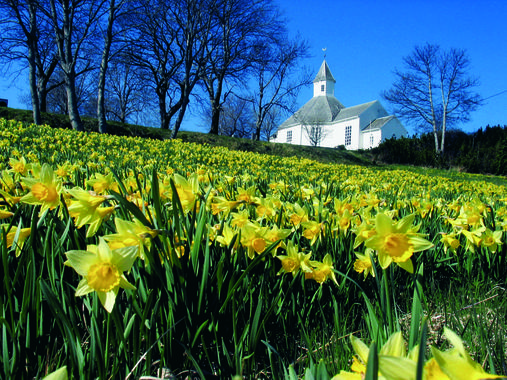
(323, 84)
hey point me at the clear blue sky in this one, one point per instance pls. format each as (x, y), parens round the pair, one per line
(367, 39)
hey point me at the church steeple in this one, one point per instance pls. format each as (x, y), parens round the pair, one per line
(323, 84)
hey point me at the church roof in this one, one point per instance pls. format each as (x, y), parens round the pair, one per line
(379, 123)
(318, 110)
(324, 74)
(355, 111)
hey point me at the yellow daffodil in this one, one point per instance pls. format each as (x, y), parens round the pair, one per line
(102, 270)
(252, 238)
(129, 234)
(101, 183)
(321, 271)
(450, 242)
(227, 235)
(4, 214)
(300, 215)
(44, 191)
(15, 236)
(294, 260)
(491, 240)
(188, 190)
(312, 230)
(457, 363)
(221, 204)
(85, 209)
(240, 219)
(396, 242)
(363, 263)
(20, 167)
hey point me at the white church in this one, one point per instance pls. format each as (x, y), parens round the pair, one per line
(324, 121)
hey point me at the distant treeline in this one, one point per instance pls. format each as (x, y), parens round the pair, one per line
(484, 151)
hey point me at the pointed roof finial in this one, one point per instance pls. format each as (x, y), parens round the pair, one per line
(324, 50)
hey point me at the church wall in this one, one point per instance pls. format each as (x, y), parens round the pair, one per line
(393, 128)
(370, 138)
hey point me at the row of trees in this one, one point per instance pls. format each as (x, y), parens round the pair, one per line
(151, 54)
(483, 151)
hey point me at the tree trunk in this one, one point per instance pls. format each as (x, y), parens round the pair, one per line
(179, 119)
(37, 119)
(215, 109)
(101, 102)
(32, 68)
(70, 85)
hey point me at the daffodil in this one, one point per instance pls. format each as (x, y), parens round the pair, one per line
(299, 215)
(15, 236)
(321, 271)
(363, 263)
(20, 167)
(294, 260)
(450, 242)
(396, 242)
(253, 239)
(457, 363)
(228, 234)
(44, 191)
(491, 240)
(221, 204)
(4, 214)
(85, 209)
(188, 191)
(312, 230)
(101, 183)
(130, 234)
(102, 270)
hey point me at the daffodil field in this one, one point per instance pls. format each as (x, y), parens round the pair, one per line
(123, 257)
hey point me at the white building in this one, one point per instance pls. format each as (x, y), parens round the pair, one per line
(324, 121)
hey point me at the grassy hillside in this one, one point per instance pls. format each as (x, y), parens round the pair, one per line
(326, 155)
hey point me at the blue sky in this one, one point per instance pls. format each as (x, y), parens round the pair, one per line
(366, 41)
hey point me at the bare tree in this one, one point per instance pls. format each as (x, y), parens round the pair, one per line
(115, 10)
(316, 133)
(236, 120)
(169, 49)
(25, 37)
(73, 22)
(273, 68)
(435, 91)
(239, 26)
(125, 93)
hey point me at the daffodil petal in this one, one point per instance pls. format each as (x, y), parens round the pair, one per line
(80, 261)
(83, 288)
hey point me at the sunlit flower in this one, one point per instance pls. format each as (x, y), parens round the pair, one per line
(321, 271)
(396, 242)
(44, 191)
(85, 210)
(102, 270)
(450, 242)
(293, 261)
(457, 363)
(15, 236)
(130, 234)
(363, 263)
(312, 230)
(253, 239)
